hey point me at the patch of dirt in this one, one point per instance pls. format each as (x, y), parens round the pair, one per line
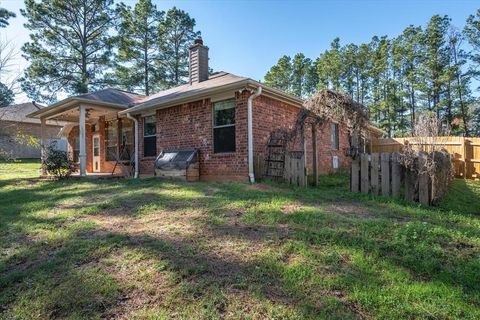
(292, 208)
(350, 208)
(263, 187)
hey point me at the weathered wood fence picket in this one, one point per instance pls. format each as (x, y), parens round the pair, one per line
(465, 151)
(382, 174)
(295, 168)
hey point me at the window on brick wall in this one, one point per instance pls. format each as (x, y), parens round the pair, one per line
(335, 140)
(224, 126)
(111, 137)
(150, 136)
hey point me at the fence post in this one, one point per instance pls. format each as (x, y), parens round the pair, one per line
(466, 144)
(314, 155)
(410, 182)
(364, 173)
(354, 175)
(385, 167)
(288, 168)
(423, 181)
(464, 156)
(396, 175)
(374, 174)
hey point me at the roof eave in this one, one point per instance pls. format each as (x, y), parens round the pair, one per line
(64, 104)
(244, 83)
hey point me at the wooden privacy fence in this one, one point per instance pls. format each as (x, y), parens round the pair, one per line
(292, 169)
(295, 169)
(381, 173)
(465, 151)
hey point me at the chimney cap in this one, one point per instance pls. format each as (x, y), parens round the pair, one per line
(198, 41)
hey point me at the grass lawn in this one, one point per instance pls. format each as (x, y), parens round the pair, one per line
(151, 249)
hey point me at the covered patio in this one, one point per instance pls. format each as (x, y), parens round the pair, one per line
(99, 139)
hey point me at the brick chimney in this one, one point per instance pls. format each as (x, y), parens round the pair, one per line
(198, 61)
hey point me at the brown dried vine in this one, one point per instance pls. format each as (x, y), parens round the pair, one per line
(332, 106)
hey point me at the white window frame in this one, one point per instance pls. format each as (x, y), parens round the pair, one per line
(150, 135)
(223, 126)
(337, 136)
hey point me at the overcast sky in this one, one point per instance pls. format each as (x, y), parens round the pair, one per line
(248, 37)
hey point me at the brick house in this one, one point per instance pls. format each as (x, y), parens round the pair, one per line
(227, 118)
(19, 132)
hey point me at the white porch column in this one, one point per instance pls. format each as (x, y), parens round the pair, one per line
(83, 149)
(43, 144)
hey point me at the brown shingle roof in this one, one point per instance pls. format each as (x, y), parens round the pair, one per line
(113, 96)
(217, 82)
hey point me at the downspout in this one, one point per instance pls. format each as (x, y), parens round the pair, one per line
(251, 174)
(137, 164)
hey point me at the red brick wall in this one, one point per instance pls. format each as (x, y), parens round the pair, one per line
(105, 166)
(190, 126)
(270, 114)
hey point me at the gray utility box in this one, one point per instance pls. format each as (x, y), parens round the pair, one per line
(178, 164)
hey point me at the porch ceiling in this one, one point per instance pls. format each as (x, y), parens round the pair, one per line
(93, 113)
(68, 110)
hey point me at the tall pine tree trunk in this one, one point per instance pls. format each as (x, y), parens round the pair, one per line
(463, 108)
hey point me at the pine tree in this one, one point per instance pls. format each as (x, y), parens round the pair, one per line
(329, 67)
(363, 65)
(436, 62)
(460, 80)
(177, 33)
(4, 16)
(350, 69)
(6, 96)
(472, 34)
(411, 42)
(303, 76)
(138, 64)
(280, 75)
(69, 48)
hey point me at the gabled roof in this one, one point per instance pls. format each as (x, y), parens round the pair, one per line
(19, 113)
(129, 102)
(113, 98)
(217, 79)
(217, 82)
(112, 95)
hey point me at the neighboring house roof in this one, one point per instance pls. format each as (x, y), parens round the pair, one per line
(217, 82)
(19, 113)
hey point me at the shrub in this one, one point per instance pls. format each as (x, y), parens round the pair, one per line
(57, 162)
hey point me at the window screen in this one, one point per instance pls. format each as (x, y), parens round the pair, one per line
(150, 136)
(224, 126)
(126, 135)
(111, 140)
(335, 142)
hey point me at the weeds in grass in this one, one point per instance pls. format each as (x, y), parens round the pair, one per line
(152, 249)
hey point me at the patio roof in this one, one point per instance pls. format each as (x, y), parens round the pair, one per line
(108, 99)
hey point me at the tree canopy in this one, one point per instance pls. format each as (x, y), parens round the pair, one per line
(139, 55)
(78, 46)
(69, 48)
(4, 16)
(422, 70)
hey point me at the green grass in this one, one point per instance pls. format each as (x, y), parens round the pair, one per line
(151, 249)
